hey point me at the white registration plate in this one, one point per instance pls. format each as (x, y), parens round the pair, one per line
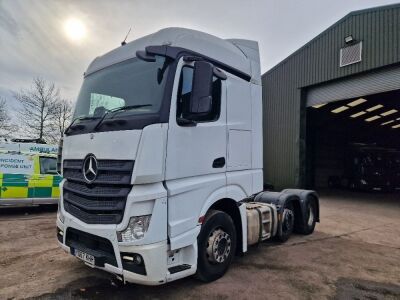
(85, 257)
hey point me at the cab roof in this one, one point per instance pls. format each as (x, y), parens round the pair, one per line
(242, 55)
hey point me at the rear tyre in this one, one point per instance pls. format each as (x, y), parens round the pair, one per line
(216, 246)
(310, 217)
(286, 225)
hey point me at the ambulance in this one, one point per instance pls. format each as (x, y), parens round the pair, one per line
(28, 174)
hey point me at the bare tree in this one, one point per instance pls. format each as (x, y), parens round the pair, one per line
(38, 107)
(62, 118)
(6, 126)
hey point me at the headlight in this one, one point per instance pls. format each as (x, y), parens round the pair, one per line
(135, 230)
(60, 215)
(363, 181)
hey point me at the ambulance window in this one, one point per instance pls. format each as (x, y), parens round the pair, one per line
(48, 165)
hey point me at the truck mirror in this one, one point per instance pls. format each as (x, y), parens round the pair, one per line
(201, 97)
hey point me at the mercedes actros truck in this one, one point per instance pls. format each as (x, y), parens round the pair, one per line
(163, 161)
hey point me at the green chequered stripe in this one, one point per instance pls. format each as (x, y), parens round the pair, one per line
(43, 192)
(31, 192)
(29, 186)
(14, 180)
(56, 180)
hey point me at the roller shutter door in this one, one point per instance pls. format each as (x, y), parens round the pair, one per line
(373, 82)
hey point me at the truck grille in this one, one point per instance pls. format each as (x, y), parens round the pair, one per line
(103, 200)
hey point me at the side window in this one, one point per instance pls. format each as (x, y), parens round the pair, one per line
(185, 92)
(48, 165)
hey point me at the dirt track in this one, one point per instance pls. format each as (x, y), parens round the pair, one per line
(354, 253)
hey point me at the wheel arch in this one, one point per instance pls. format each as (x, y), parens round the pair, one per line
(281, 200)
(231, 207)
(227, 200)
(305, 197)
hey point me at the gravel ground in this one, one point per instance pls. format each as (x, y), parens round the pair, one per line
(353, 254)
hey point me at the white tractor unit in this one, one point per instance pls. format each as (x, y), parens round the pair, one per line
(163, 162)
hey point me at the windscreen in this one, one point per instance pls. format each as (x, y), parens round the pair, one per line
(131, 83)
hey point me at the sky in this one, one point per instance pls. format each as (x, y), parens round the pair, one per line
(56, 40)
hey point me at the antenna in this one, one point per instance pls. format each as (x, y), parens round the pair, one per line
(124, 41)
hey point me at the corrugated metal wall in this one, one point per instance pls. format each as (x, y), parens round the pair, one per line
(316, 63)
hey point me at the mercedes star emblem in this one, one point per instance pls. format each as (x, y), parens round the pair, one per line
(90, 168)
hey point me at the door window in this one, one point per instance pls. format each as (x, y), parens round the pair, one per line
(185, 92)
(48, 165)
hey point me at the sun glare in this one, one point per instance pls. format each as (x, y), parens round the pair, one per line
(75, 29)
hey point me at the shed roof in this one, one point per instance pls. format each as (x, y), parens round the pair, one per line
(330, 28)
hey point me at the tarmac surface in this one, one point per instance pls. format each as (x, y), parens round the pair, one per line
(353, 254)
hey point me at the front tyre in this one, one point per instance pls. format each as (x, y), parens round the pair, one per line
(216, 246)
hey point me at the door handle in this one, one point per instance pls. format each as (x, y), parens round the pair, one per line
(219, 162)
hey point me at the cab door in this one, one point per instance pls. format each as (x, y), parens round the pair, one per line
(196, 155)
(46, 180)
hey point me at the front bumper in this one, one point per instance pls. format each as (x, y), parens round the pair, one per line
(100, 240)
(154, 255)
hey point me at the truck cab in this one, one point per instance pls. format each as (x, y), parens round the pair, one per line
(164, 150)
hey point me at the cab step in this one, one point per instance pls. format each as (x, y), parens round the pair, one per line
(180, 268)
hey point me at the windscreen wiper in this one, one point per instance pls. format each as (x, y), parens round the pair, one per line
(78, 126)
(122, 108)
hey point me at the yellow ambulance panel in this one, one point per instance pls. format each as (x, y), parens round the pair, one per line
(28, 179)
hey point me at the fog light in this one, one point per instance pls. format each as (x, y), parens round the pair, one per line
(137, 259)
(135, 230)
(134, 258)
(133, 262)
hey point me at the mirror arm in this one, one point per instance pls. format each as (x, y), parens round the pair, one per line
(143, 55)
(219, 73)
(192, 58)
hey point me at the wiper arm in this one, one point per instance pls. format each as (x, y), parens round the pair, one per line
(128, 107)
(122, 108)
(71, 126)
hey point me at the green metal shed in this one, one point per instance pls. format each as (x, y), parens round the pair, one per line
(358, 55)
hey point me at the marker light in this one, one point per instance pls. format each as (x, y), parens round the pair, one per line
(135, 230)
